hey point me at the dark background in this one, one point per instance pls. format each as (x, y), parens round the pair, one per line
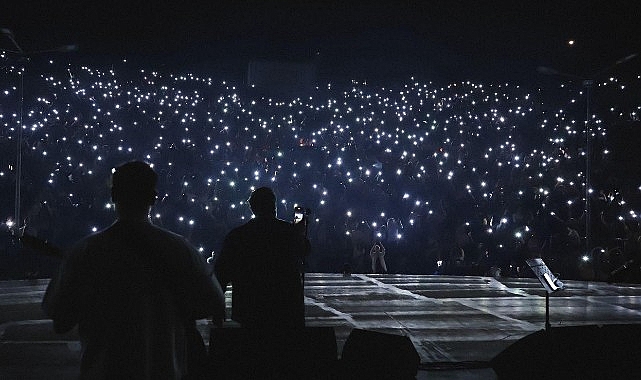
(448, 40)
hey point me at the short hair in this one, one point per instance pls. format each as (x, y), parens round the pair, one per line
(133, 184)
(263, 202)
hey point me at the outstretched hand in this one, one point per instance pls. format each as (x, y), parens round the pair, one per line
(301, 227)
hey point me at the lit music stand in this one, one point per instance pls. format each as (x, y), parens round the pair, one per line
(549, 281)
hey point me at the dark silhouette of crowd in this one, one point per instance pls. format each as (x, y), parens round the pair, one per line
(463, 178)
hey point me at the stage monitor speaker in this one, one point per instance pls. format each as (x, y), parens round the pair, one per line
(238, 353)
(375, 355)
(576, 352)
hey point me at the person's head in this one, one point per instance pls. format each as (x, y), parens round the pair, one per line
(263, 202)
(133, 187)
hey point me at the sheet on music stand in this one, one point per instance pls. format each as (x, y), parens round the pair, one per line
(549, 281)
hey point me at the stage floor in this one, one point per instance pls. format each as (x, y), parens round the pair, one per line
(449, 319)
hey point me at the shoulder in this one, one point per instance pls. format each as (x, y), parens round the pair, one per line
(282, 222)
(279, 224)
(241, 230)
(150, 234)
(274, 226)
(91, 241)
(169, 241)
(166, 234)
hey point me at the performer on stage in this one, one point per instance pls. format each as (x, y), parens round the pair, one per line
(262, 259)
(135, 291)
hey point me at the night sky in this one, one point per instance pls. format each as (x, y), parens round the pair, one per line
(442, 39)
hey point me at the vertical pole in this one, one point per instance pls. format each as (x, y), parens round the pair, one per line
(588, 158)
(18, 221)
(547, 311)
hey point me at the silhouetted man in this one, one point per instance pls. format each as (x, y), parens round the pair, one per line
(135, 291)
(263, 261)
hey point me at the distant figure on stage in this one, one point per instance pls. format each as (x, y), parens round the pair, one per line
(262, 259)
(377, 254)
(135, 291)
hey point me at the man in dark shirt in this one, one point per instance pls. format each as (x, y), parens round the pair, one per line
(263, 261)
(135, 291)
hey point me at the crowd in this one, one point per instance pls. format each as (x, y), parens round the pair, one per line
(464, 178)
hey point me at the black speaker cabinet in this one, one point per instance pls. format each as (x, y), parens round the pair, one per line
(375, 355)
(238, 353)
(576, 352)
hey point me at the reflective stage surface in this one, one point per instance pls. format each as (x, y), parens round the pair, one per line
(449, 319)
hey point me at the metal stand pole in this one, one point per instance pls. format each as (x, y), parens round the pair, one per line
(18, 221)
(588, 168)
(547, 311)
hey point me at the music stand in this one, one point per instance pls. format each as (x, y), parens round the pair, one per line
(549, 281)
